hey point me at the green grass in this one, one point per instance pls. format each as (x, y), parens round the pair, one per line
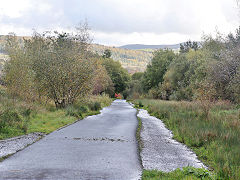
(214, 138)
(138, 134)
(187, 173)
(47, 122)
(18, 117)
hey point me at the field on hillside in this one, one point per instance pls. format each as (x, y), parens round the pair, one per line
(132, 60)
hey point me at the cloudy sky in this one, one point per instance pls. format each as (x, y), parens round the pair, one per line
(119, 22)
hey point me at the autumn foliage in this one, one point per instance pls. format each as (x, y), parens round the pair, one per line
(118, 96)
(54, 66)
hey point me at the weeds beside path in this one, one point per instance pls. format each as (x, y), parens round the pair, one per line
(18, 117)
(215, 139)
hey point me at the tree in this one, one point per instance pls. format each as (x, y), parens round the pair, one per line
(155, 71)
(224, 71)
(117, 73)
(184, 75)
(17, 72)
(135, 86)
(107, 53)
(103, 82)
(137, 76)
(185, 47)
(58, 66)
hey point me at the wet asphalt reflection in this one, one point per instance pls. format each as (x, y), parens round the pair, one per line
(99, 147)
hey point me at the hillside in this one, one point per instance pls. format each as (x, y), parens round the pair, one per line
(143, 46)
(132, 60)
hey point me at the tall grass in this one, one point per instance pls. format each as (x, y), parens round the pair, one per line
(186, 173)
(18, 117)
(214, 137)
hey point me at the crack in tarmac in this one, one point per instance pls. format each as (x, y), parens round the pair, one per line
(102, 146)
(101, 139)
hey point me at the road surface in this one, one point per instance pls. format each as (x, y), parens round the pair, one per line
(99, 147)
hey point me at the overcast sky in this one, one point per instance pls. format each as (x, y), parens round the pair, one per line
(119, 22)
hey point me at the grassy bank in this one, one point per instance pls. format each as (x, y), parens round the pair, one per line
(187, 173)
(214, 135)
(18, 117)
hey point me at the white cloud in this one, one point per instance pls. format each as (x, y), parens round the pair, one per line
(44, 7)
(8, 28)
(13, 8)
(141, 38)
(119, 22)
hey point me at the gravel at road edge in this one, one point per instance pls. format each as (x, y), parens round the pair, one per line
(12, 145)
(159, 150)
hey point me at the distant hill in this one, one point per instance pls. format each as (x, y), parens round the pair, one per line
(133, 57)
(132, 60)
(143, 46)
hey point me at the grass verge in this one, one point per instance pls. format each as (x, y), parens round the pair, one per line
(138, 134)
(18, 117)
(187, 173)
(214, 138)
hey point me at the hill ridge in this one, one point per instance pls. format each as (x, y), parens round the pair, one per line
(148, 46)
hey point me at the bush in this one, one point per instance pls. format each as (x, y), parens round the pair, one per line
(126, 93)
(12, 118)
(71, 111)
(76, 111)
(154, 93)
(9, 117)
(140, 104)
(51, 107)
(104, 99)
(26, 112)
(83, 109)
(97, 106)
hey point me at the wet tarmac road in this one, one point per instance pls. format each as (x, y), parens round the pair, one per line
(99, 147)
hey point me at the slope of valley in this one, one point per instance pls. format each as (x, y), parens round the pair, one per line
(132, 60)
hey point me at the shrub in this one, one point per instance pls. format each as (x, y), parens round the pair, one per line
(94, 106)
(71, 111)
(12, 118)
(97, 106)
(140, 104)
(26, 112)
(104, 99)
(51, 107)
(126, 93)
(83, 109)
(154, 93)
